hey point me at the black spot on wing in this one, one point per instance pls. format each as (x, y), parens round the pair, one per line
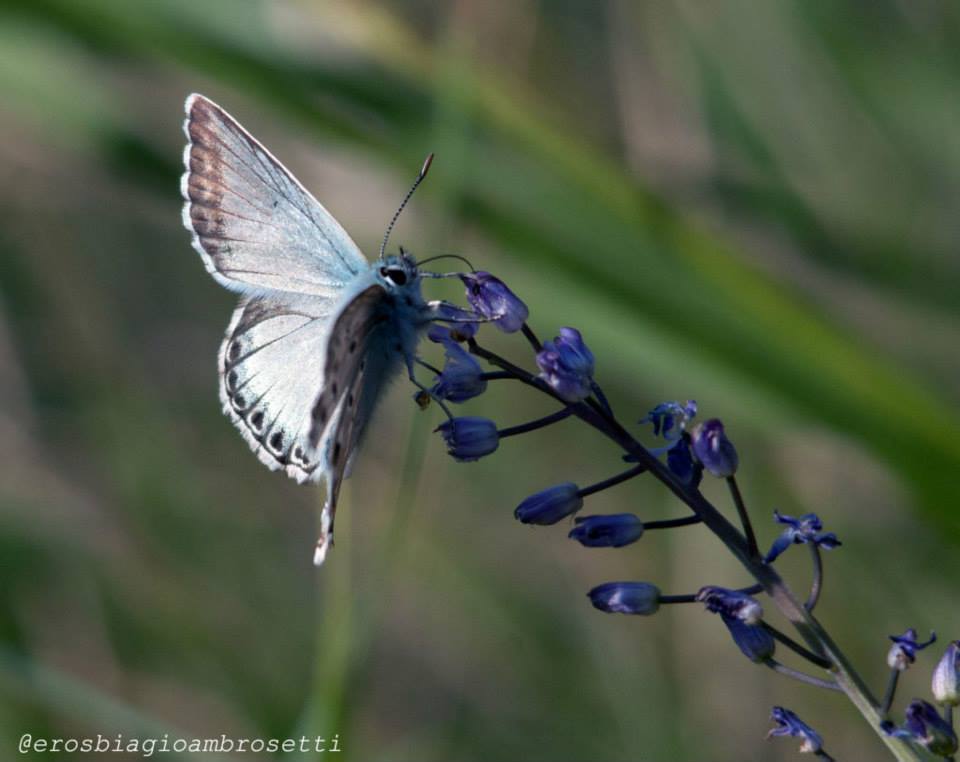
(276, 441)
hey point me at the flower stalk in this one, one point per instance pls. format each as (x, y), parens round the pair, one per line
(566, 368)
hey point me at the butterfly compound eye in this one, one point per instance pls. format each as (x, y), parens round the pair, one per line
(397, 276)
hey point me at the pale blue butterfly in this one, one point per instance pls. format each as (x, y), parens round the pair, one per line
(318, 329)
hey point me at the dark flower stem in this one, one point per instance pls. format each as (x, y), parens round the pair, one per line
(817, 585)
(890, 692)
(796, 647)
(531, 337)
(803, 677)
(496, 375)
(692, 597)
(806, 625)
(823, 755)
(602, 398)
(948, 715)
(612, 482)
(432, 368)
(670, 523)
(744, 517)
(523, 428)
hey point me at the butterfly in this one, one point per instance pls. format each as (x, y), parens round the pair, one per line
(318, 329)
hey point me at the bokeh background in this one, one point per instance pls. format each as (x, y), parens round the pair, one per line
(751, 204)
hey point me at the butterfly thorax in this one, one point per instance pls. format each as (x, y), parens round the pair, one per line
(403, 304)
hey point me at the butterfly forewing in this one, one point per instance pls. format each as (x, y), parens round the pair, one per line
(253, 223)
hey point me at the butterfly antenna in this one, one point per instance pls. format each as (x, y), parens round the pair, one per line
(447, 256)
(423, 173)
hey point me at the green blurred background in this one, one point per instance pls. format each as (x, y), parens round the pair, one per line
(752, 204)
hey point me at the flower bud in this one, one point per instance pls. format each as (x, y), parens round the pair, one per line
(566, 364)
(925, 726)
(753, 640)
(713, 449)
(681, 463)
(490, 297)
(731, 603)
(626, 597)
(461, 378)
(550, 505)
(946, 676)
(612, 531)
(469, 437)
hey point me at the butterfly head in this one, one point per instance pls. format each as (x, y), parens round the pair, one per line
(398, 270)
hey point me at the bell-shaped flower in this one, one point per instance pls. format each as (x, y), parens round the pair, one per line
(469, 437)
(550, 505)
(924, 725)
(712, 448)
(462, 377)
(613, 531)
(490, 297)
(903, 652)
(566, 364)
(626, 598)
(788, 724)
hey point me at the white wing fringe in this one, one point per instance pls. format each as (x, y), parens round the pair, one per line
(326, 535)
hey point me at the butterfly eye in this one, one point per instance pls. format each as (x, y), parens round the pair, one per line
(396, 276)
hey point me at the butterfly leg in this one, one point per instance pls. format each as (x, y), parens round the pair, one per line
(425, 389)
(448, 312)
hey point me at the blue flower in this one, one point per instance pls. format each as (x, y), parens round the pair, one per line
(550, 505)
(566, 364)
(713, 449)
(903, 652)
(470, 437)
(462, 377)
(788, 724)
(756, 643)
(806, 529)
(612, 531)
(731, 603)
(946, 676)
(680, 461)
(490, 297)
(925, 726)
(626, 597)
(668, 416)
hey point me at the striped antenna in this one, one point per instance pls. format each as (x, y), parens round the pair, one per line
(423, 173)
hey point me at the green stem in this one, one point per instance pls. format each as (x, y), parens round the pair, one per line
(796, 647)
(817, 585)
(802, 677)
(890, 692)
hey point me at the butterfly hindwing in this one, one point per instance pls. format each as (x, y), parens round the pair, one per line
(271, 363)
(255, 226)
